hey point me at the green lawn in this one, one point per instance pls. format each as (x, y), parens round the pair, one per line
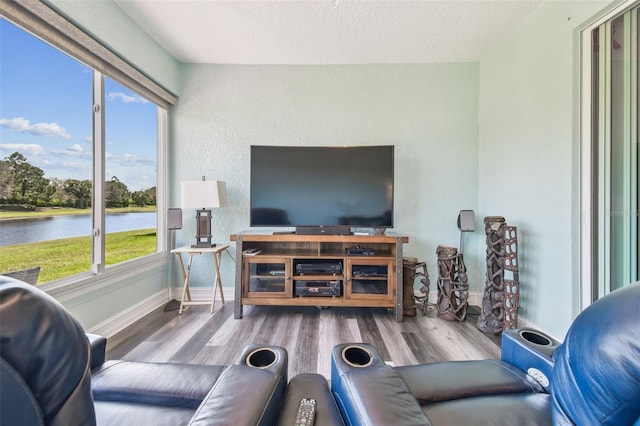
(69, 256)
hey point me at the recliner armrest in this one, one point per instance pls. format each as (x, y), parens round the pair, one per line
(369, 392)
(98, 349)
(377, 395)
(242, 395)
(531, 351)
(309, 385)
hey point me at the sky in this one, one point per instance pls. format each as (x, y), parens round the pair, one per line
(46, 115)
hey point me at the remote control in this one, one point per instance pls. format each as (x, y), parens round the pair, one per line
(306, 412)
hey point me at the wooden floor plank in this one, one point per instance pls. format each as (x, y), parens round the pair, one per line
(307, 333)
(304, 358)
(399, 352)
(200, 340)
(369, 330)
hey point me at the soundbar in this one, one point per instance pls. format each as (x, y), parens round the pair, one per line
(323, 230)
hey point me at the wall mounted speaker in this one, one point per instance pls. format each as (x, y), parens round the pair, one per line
(174, 218)
(466, 221)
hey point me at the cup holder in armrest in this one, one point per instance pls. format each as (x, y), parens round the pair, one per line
(357, 356)
(262, 358)
(531, 351)
(535, 337)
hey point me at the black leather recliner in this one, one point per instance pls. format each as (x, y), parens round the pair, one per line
(52, 374)
(592, 378)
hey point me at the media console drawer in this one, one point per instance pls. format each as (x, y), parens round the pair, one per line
(311, 270)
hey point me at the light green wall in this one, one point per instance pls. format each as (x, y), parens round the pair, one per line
(528, 154)
(429, 112)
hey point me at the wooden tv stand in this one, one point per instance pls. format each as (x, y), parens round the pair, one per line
(286, 262)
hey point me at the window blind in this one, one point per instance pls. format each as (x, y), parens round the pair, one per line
(46, 23)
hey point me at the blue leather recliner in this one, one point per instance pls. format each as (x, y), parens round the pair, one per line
(592, 378)
(52, 373)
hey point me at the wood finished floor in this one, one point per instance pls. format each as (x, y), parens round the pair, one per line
(308, 334)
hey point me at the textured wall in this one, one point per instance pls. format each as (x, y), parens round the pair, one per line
(529, 151)
(429, 112)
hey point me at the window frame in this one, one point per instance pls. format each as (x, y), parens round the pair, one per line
(51, 27)
(594, 253)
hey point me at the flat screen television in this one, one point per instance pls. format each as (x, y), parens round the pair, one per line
(322, 187)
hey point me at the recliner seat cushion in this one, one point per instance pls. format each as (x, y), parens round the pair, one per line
(522, 409)
(178, 385)
(120, 413)
(444, 381)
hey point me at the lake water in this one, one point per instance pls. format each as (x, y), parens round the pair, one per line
(56, 227)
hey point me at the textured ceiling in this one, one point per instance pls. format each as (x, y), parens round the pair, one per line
(327, 31)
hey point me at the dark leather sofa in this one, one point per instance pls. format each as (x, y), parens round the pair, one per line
(51, 373)
(592, 378)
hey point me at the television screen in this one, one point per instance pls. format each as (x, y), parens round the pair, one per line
(300, 186)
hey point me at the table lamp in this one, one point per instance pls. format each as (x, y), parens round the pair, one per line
(203, 195)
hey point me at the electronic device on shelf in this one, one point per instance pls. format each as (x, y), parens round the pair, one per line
(356, 250)
(318, 288)
(360, 274)
(319, 268)
(322, 190)
(251, 252)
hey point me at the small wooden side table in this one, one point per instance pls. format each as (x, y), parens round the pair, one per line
(217, 283)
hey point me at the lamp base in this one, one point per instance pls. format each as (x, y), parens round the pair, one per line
(203, 229)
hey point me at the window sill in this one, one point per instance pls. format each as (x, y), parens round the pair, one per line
(75, 286)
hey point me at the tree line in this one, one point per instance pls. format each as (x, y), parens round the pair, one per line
(23, 184)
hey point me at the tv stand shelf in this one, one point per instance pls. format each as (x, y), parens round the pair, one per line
(273, 276)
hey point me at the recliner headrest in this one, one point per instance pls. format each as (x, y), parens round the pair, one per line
(48, 348)
(596, 378)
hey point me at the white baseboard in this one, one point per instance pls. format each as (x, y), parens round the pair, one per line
(205, 293)
(475, 299)
(122, 320)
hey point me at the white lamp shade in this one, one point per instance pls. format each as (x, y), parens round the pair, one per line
(200, 194)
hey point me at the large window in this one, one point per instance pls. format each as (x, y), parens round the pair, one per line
(78, 163)
(610, 254)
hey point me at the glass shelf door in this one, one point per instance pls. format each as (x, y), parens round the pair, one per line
(268, 277)
(369, 279)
